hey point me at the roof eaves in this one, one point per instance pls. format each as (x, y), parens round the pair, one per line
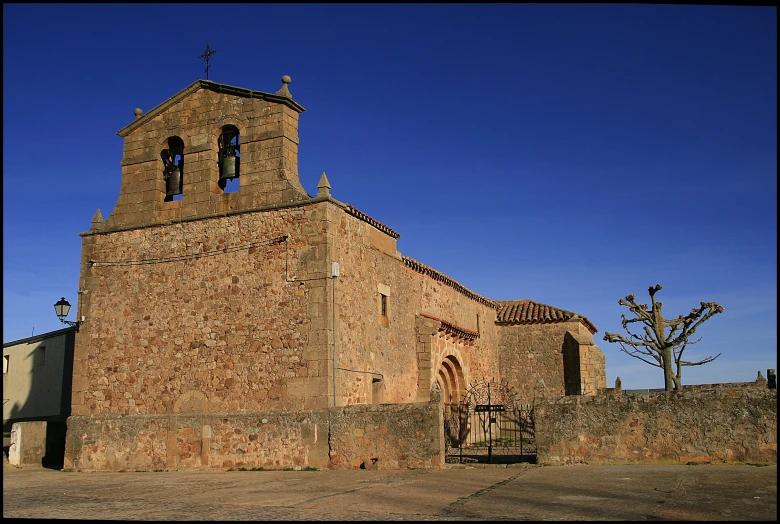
(159, 108)
(42, 336)
(365, 218)
(453, 329)
(441, 277)
(552, 315)
(213, 86)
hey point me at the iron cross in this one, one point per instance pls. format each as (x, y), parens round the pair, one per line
(206, 56)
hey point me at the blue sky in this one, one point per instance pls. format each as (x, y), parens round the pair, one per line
(570, 154)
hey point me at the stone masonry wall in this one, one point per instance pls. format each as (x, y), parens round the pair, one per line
(202, 312)
(269, 439)
(715, 425)
(560, 354)
(388, 436)
(533, 352)
(378, 436)
(584, 364)
(269, 158)
(593, 369)
(368, 342)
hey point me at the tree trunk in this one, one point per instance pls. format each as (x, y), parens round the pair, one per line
(666, 358)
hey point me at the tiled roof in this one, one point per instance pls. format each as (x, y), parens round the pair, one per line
(441, 277)
(452, 329)
(530, 312)
(376, 223)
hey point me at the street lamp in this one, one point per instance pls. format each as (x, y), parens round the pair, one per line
(62, 308)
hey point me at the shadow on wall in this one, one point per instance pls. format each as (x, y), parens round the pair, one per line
(56, 425)
(54, 457)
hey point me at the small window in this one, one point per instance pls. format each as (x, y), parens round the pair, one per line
(6, 358)
(384, 292)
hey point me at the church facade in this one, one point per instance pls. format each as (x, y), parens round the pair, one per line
(224, 328)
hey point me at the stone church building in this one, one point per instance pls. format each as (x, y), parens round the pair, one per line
(265, 327)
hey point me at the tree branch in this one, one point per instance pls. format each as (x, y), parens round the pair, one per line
(699, 363)
(713, 307)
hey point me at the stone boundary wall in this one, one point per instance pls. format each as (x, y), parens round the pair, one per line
(384, 436)
(712, 425)
(387, 436)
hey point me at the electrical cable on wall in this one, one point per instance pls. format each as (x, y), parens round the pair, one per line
(193, 256)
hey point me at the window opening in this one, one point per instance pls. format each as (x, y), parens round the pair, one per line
(229, 158)
(384, 305)
(173, 160)
(6, 360)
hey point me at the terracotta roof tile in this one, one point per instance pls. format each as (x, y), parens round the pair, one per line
(441, 277)
(376, 223)
(530, 312)
(452, 329)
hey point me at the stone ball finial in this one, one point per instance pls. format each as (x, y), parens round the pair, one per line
(138, 112)
(284, 91)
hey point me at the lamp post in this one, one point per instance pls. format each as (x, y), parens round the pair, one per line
(62, 308)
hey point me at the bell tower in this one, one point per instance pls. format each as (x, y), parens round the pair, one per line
(180, 155)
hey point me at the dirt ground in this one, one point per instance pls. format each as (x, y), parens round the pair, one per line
(517, 492)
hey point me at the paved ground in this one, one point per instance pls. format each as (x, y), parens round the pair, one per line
(522, 492)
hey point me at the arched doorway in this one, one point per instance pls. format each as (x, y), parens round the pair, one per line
(451, 382)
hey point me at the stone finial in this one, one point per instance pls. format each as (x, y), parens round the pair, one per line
(97, 220)
(760, 377)
(138, 112)
(284, 91)
(323, 185)
(618, 384)
(771, 379)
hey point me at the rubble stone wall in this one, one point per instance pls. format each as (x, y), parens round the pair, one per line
(376, 436)
(713, 425)
(268, 159)
(371, 266)
(201, 314)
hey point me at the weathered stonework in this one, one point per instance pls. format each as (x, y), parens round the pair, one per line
(208, 313)
(389, 436)
(699, 425)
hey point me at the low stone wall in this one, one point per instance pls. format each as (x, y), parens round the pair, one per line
(374, 436)
(707, 425)
(388, 436)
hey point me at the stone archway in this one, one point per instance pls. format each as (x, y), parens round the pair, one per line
(451, 381)
(441, 348)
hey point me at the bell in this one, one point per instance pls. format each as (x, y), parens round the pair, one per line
(229, 168)
(173, 183)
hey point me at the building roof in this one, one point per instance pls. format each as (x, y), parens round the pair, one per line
(213, 86)
(42, 336)
(441, 277)
(452, 329)
(529, 312)
(365, 218)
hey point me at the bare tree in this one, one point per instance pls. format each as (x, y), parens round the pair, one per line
(663, 349)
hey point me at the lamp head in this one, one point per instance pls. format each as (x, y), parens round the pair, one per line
(62, 308)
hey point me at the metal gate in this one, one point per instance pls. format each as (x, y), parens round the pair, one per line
(489, 425)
